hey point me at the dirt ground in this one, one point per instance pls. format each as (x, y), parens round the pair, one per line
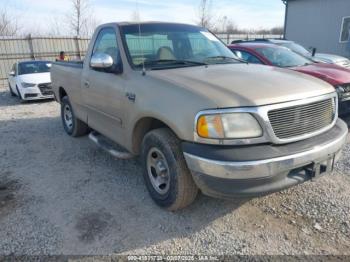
(62, 195)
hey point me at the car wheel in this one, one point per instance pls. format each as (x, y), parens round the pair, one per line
(11, 91)
(72, 125)
(19, 95)
(167, 177)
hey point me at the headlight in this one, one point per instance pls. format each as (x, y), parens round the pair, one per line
(25, 85)
(228, 126)
(343, 92)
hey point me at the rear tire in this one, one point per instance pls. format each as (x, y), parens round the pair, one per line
(72, 125)
(167, 177)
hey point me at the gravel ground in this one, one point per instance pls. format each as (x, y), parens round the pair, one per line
(61, 195)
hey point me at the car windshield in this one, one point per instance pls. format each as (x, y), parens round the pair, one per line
(162, 46)
(34, 67)
(296, 48)
(283, 57)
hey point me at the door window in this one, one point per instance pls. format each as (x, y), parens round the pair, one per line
(106, 42)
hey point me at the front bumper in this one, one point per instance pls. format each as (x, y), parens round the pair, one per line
(244, 171)
(34, 94)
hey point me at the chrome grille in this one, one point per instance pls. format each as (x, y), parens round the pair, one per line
(295, 121)
(45, 89)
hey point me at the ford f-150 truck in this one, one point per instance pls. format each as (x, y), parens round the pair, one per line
(200, 118)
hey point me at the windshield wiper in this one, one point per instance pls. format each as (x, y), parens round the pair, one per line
(225, 58)
(174, 62)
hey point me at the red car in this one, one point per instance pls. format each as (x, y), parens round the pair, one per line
(269, 54)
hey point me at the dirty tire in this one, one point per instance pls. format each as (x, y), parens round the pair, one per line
(11, 91)
(182, 190)
(20, 96)
(77, 127)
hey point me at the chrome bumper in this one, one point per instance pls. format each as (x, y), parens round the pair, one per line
(234, 177)
(267, 167)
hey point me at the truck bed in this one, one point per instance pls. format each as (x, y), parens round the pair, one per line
(76, 64)
(67, 75)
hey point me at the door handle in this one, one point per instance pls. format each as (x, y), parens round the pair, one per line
(87, 84)
(131, 96)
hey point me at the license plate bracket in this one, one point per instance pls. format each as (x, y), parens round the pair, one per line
(323, 166)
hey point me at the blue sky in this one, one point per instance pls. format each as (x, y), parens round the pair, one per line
(38, 15)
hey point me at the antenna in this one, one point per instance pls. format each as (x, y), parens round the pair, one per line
(139, 38)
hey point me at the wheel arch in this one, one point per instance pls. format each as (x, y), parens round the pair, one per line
(61, 93)
(142, 127)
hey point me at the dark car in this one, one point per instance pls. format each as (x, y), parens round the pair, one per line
(274, 55)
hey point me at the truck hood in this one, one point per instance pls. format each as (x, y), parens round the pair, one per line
(237, 85)
(333, 74)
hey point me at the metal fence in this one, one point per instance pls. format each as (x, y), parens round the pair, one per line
(47, 48)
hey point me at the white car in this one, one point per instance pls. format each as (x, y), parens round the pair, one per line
(31, 80)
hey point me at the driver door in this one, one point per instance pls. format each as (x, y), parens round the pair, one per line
(103, 90)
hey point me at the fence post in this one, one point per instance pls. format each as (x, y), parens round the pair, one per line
(77, 47)
(31, 48)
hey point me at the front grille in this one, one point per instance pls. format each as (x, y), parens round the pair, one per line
(30, 95)
(45, 89)
(295, 121)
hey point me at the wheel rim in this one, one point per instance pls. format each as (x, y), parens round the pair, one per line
(68, 116)
(158, 171)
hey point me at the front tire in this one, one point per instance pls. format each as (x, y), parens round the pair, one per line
(11, 91)
(167, 177)
(20, 96)
(72, 125)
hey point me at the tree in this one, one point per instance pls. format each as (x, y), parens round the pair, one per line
(205, 13)
(278, 30)
(8, 25)
(81, 20)
(231, 27)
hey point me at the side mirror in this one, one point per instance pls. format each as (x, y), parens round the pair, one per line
(101, 61)
(313, 51)
(12, 73)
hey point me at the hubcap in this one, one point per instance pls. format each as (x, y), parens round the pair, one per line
(68, 116)
(158, 171)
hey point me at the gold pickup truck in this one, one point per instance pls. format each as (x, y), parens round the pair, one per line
(200, 118)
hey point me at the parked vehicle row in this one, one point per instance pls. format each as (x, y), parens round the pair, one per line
(198, 116)
(299, 49)
(275, 55)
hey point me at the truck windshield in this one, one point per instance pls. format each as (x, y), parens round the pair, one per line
(283, 57)
(34, 67)
(162, 46)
